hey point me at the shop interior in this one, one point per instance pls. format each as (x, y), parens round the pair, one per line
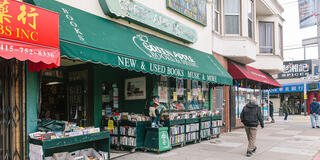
(86, 93)
(295, 101)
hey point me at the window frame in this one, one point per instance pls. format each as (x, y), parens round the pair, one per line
(218, 13)
(251, 19)
(281, 40)
(232, 14)
(273, 38)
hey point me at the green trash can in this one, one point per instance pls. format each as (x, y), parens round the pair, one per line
(157, 139)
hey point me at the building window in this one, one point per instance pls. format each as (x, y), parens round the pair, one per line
(281, 40)
(216, 13)
(232, 16)
(250, 18)
(266, 37)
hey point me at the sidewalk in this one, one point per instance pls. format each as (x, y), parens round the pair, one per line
(284, 140)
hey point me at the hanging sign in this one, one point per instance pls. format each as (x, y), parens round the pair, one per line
(296, 69)
(195, 9)
(29, 33)
(140, 14)
(110, 124)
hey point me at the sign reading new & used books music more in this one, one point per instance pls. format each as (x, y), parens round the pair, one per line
(140, 14)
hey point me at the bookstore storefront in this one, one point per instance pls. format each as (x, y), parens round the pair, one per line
(114, 73)
(248, 82)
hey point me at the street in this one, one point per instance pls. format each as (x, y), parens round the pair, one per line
(284, 140)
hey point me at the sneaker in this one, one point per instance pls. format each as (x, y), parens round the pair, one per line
(317, 126)
(249, 154)
(272, 121)
(312, 127)
(254, 150)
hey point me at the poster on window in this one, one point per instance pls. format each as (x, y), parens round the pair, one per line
(135, 88)
(195, 88)
(179, 87)
(163, 91)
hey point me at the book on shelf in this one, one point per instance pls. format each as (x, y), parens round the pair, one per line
(127, 130)
(192, 127)
(205, 125)
(216, 130)
(114, 140)
(177, 139)
(205, 133)
(128, 141)
(178, 129)
(192, 136)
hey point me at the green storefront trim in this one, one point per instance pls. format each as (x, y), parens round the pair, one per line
(87, 37)
(32, 102)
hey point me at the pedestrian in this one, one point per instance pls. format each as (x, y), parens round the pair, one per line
(271, 110)
(250, 117)
(285, 108)
(314, 112)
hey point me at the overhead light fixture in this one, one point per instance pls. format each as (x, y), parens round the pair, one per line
(53, 83)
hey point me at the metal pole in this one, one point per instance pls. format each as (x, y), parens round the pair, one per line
(305, 96)
(304, 53)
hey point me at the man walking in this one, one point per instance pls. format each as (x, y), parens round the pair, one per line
(271, 110)
(314, 112)
(285, 108)
(250, 117)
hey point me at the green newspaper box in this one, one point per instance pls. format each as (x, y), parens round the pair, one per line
(157, 139)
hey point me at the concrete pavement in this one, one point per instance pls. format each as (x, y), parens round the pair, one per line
(284, 140)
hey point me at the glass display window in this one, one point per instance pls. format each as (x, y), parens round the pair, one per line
(188, 95)
(243, 97)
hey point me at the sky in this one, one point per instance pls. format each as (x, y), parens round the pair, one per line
(293, 35)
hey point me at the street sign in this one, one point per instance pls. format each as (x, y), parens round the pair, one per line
(309, 41)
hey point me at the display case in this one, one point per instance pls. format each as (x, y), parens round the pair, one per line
(99, 141)
(216, 126)
(176, 132)
(205, 128)
(192, 130)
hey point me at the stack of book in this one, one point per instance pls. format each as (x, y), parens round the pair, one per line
(178, 129)
(205, 133)
(192, 127)
(128, 141)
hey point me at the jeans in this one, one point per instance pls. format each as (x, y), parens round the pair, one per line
(286, 115)
(314, 118)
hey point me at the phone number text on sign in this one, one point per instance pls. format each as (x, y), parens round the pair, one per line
(10, 49)
(26, 51)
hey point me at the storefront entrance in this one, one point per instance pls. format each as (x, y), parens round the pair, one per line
(12, 118)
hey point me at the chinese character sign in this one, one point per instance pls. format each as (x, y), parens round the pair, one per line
(296, 69)
(23, 22)
(28, 32)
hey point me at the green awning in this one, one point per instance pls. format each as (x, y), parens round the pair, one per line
(88, 37)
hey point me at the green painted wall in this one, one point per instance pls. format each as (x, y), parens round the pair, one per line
(32, 96)
(115, 75)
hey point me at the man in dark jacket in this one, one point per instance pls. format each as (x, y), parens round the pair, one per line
(250, 117)
(314, 112)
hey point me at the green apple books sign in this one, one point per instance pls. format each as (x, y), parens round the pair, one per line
(140, 14)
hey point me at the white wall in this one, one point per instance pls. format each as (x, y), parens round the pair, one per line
(203, 32)
(237, 45)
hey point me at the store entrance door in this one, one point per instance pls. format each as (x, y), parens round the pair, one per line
(12, 109)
